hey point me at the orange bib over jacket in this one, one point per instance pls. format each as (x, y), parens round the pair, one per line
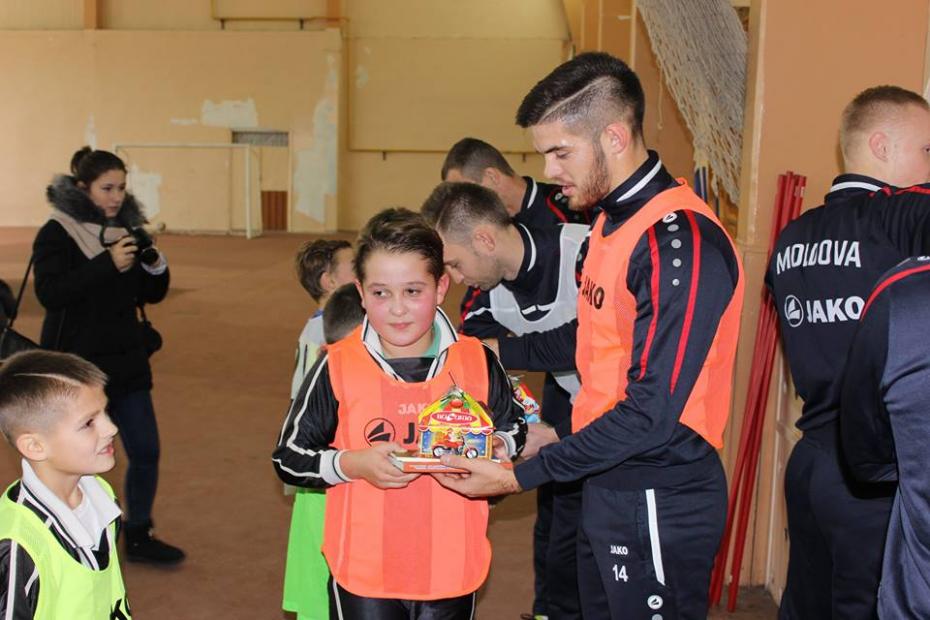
(607, 312)
(422, 542)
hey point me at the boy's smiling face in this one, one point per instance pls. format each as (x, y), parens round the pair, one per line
(80, 441)
(400, 296)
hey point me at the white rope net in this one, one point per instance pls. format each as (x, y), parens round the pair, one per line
(701, 49)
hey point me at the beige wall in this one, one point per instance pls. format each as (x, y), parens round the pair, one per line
(423, 74)
(160, 15)
(47, 14)
(370, 107)
(807, 61)
(118, 87)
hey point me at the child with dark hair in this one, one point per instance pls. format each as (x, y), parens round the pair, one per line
(343, 313)
(58, 522)
(323, 265)
(396, 543)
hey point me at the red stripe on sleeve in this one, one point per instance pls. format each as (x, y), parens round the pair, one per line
(654, 292)
(468, 304)
(555, 209)
(915, 189)
(692, 296)
(888, 282)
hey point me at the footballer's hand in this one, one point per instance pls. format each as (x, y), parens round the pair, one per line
(491, 343)
(484, 478)
(537, 435)
(374, 466)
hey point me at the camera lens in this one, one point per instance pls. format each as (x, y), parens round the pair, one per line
(149, 256)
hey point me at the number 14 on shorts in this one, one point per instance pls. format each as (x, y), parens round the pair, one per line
(620, 573)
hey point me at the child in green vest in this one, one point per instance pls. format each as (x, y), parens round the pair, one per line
(58, 556)
(323, 265)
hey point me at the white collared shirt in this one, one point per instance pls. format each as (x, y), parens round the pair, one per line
(86, 524)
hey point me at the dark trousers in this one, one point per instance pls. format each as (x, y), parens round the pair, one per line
(648, 554)
(837, 535)
(557, 512)
(343, 605)
(558, 507)
(134, 415)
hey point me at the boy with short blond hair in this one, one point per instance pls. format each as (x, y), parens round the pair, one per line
(58, 556)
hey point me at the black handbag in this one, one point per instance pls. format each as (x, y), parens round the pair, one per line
(150, 336)
(11, 341)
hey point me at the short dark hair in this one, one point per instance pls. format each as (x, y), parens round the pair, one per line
(588, 93)
(315, 258)
(399, 230)
(34, 384)
(454, 209)
(471, 156)
(343, 313)
(871, 105)
(87, 164)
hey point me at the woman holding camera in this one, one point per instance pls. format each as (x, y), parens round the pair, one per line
(92, 272)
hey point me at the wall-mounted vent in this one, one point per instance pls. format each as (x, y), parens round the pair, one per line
(260, 138)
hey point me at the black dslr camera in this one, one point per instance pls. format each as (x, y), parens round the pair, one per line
(146, 253)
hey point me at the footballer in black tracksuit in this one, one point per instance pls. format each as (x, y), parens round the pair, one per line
(824, 265)
(885, 427)
(536, 289)
(544, 208)
(639, 451)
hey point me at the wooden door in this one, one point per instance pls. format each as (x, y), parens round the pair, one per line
(274, 210)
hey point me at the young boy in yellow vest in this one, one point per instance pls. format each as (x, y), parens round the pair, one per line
(398, 545)
(58, 523)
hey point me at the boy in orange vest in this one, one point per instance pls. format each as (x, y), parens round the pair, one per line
(388, 533)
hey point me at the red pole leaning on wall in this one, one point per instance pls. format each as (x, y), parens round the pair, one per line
(787, 206)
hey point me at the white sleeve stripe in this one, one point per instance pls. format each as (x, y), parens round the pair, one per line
(32, 580)
(308, 474)
(296, 423)
(11, 585)
(475, 313)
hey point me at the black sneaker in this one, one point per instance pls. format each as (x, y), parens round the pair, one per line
(142, 546)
